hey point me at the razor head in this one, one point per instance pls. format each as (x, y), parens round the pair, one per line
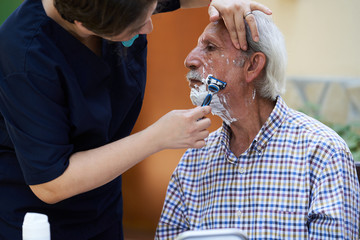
(214, 84)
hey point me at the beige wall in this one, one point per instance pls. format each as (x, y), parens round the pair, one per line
(322, 38)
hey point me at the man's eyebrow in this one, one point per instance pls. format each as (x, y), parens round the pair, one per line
(210, 39)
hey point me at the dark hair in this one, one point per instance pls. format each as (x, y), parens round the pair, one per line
(104, 17)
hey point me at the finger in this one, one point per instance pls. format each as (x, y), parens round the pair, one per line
(200, 112)
(203, 134)
(213, 14)
(241, 31)
(231, 27)
(199, 144)
(250, 19)
(258, 6)
(203, 123)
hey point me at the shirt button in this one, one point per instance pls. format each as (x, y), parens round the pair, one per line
(238, 213)
(242, 170)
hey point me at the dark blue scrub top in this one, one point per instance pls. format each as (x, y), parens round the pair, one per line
(56, 98)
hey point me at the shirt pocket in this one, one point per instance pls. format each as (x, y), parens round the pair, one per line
(278, 223)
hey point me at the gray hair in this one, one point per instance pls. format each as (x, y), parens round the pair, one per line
(272, 44)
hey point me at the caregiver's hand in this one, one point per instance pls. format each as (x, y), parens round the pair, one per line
(234, 12)
(182, 128)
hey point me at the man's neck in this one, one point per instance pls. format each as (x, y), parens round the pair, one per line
(250, 120)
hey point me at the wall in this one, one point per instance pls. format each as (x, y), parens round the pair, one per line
(322, 36)
(174, 35)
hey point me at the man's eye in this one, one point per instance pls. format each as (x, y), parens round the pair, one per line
(210, 47)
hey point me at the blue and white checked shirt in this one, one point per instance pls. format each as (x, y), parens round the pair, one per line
(296, 180)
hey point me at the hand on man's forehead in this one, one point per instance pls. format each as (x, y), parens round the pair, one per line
(219, 31)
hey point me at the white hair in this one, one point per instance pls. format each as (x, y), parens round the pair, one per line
(272, 44)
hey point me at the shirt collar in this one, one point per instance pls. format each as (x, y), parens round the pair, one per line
(273, 122)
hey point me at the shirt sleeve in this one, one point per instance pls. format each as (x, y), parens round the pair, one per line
(173, 217)
(167, 6)
(36, 119)
(334, 209)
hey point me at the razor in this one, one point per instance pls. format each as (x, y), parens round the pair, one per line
(214, 86)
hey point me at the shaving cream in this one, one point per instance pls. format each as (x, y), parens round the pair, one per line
(218, 103)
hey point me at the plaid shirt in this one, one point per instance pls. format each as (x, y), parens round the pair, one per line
(296, 180)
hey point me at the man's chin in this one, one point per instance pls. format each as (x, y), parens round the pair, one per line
(198, 94)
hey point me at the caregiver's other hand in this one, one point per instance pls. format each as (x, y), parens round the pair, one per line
(234, 13)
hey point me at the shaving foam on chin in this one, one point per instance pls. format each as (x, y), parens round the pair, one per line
(198, 94)
(218, 104)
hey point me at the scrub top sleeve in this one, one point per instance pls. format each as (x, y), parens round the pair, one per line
(35, 114)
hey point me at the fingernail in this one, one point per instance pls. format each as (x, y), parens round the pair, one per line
(256, 39)
(244, 47)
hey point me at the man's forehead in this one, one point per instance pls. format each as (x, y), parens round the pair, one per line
(215, 27)
(215, 30)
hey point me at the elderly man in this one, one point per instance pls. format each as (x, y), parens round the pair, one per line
(270, 171)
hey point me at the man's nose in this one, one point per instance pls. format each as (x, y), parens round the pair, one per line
(192, 61)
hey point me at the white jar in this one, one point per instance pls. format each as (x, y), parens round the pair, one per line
(35, 227)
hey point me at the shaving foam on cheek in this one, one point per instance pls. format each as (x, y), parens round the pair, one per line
(218, 104)
(219, 108)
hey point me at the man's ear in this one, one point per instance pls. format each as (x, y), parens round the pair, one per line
(254, 66)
